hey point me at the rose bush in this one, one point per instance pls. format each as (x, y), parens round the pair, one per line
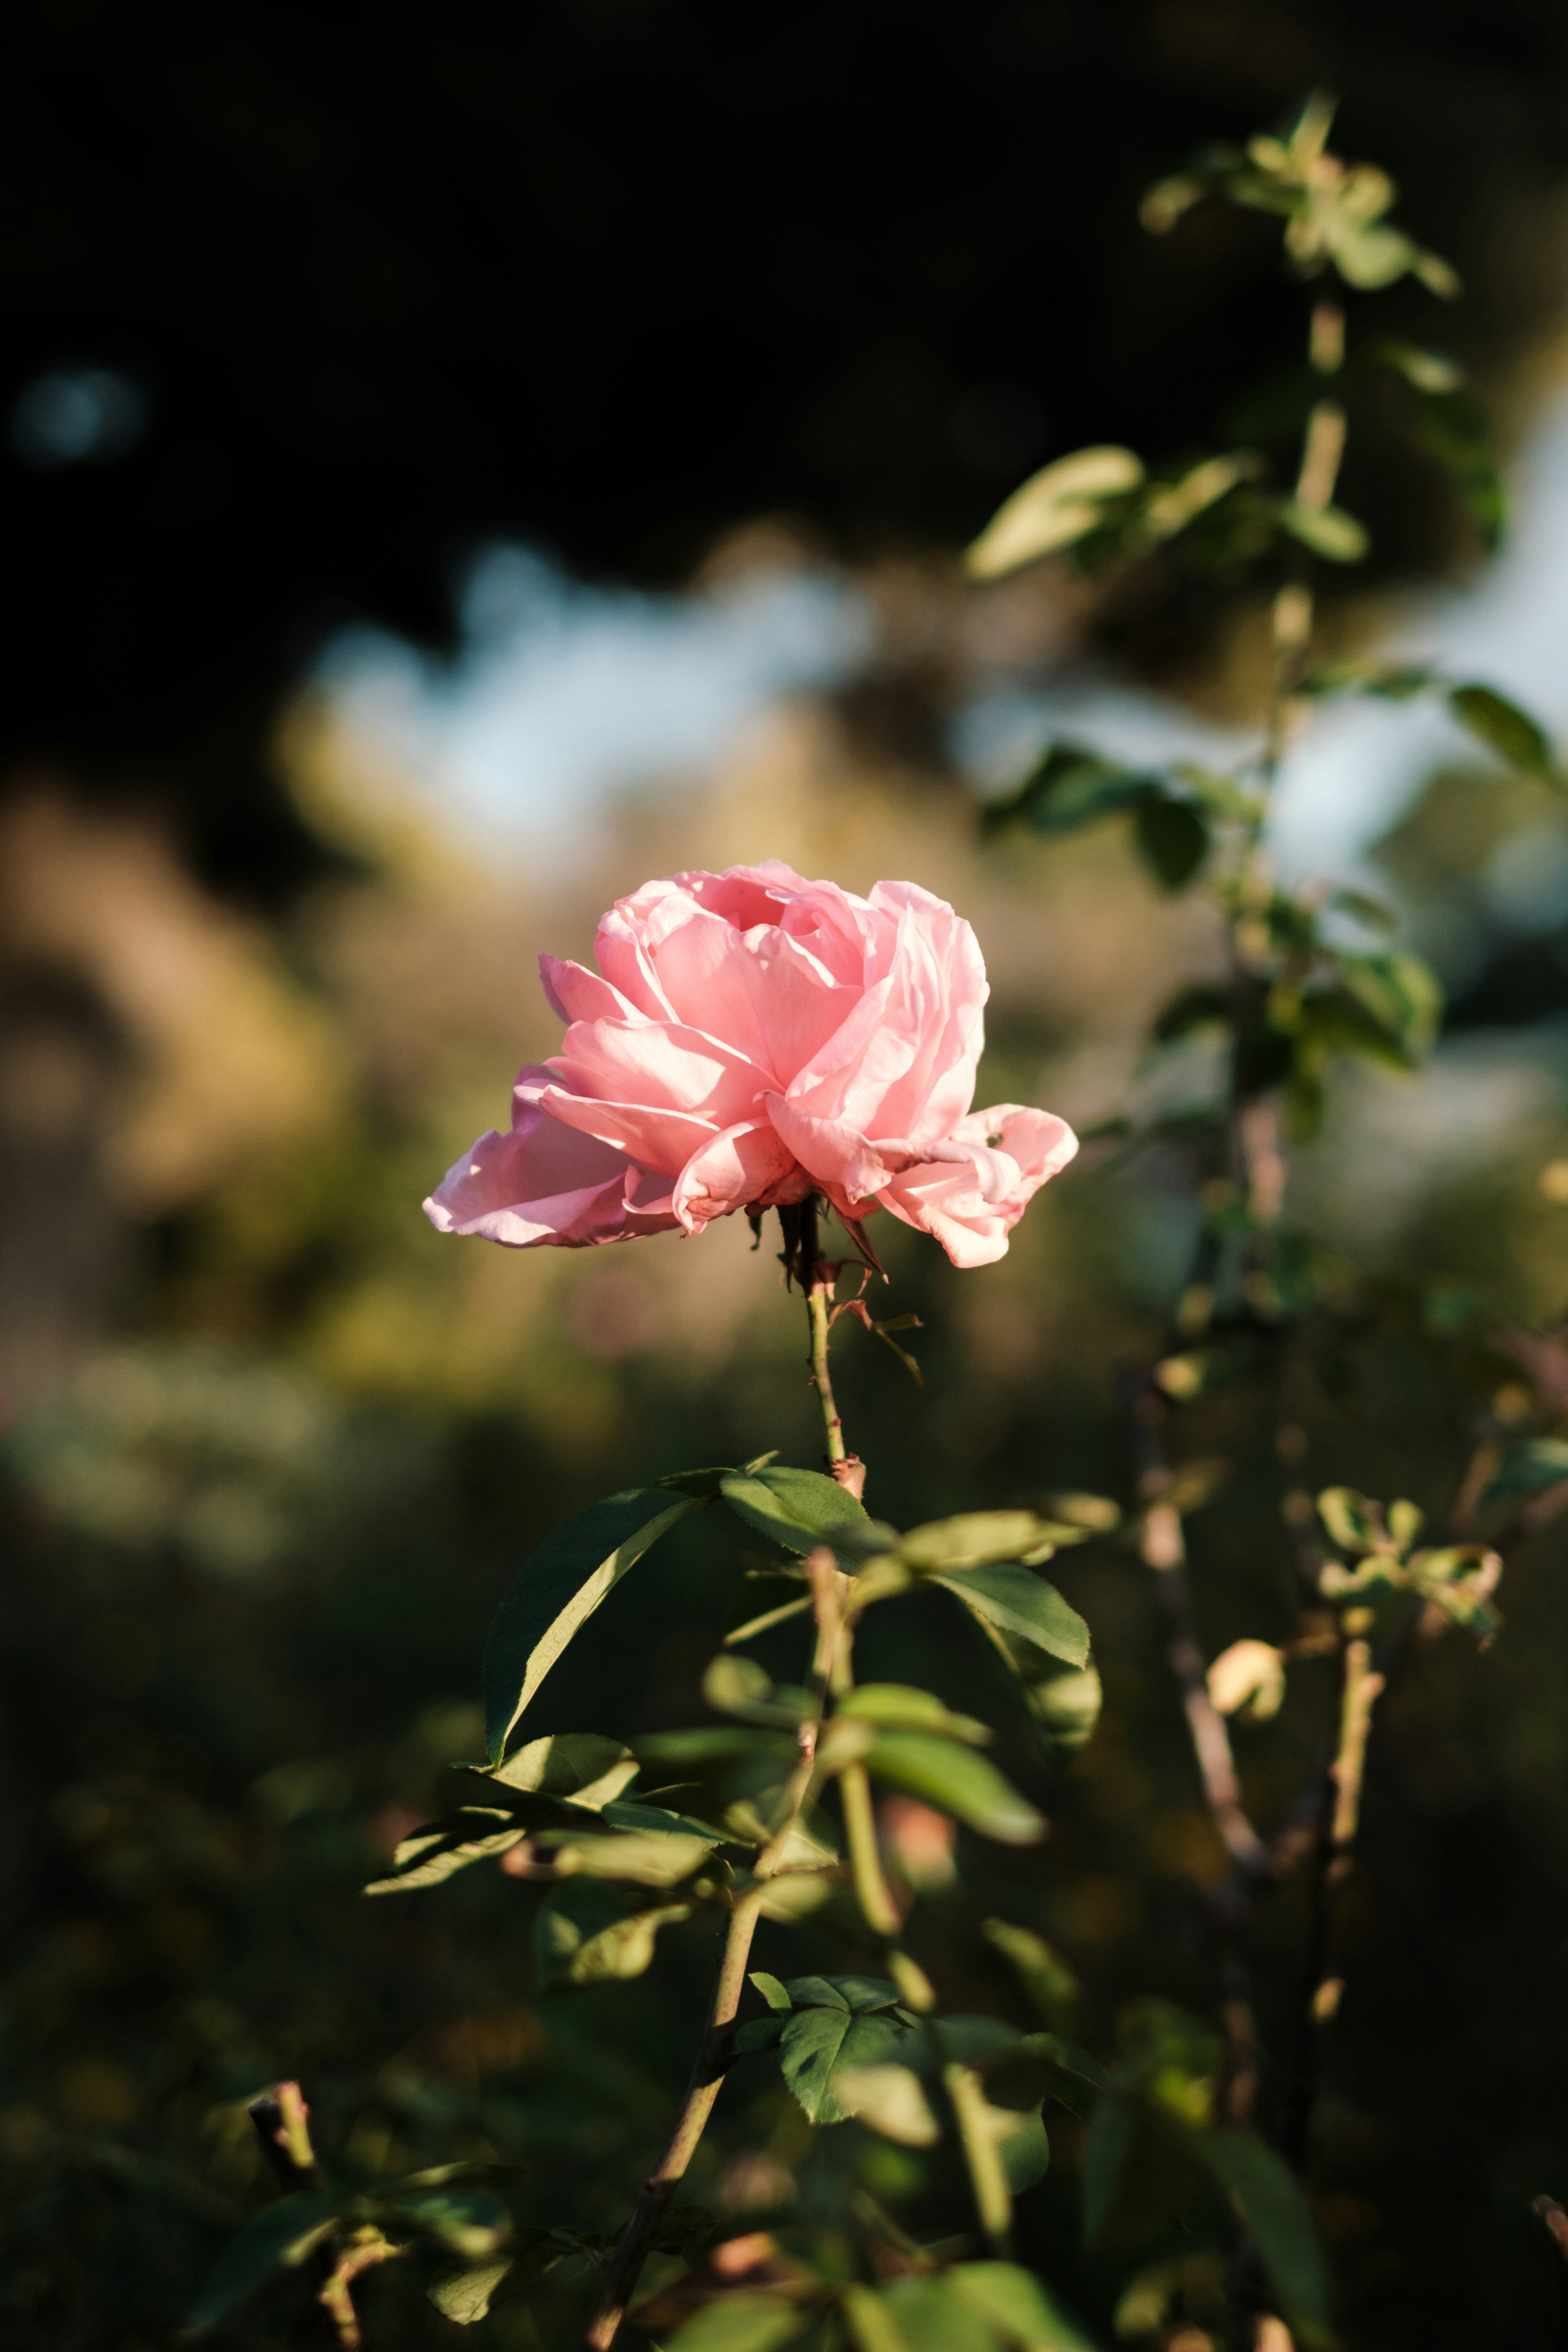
(751, 1037)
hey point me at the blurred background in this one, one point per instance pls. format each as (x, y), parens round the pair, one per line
(459, 462)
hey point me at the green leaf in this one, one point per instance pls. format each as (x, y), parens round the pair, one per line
(932, 2315)
(1069, 787)
(1015, 2300)
(1506, 730)
(1043, 1973)
(1024, 1603)
(890, 2100)
(745, 2321)
(280, 2237)
(649, 1858)
(972, 1540)
(1275, 2213)
(759, 2033)
(1455, 433)
(795, 1509)
(1106, 2146)
(622, 1950)
(1529, 1467)
(466, 2220)
(1024, 2147)
(773, 1993)
(1063, 1702)
(817, 2042)
(473, 1834)
(581, 1766)
(1328, 531)
(464, 2297)
(1060, 504)
(570, 1917)
(703, 1486)
(562, 1585)
(898, 1706)
(1173, 838)
(957, 1781)
(859, 1995)
(1351, 1519)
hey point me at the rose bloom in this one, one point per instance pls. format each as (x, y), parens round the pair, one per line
(749, 1038)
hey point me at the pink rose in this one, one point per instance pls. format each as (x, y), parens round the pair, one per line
(754, 1037)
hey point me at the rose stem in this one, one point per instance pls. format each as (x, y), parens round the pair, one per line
(708, 2072)
(818, 1280)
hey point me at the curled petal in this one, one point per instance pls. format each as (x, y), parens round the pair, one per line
(742, 1164)
(971, 1191)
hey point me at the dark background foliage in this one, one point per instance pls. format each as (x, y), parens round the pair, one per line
(615, 277)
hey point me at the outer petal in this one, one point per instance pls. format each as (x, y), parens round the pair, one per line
(545, 1184)
(971, 1191)
(577, 995)
(731, 1169)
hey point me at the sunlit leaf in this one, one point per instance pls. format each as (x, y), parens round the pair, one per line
(932, 2315)
(957, 1781)
(1063, 1702)
(623, 1949)
(743, 2322)
(890, 2101)
(280, 2237)
(1017, 2302)
(562, 1585)
(973, 1539)
(817, 2042)
(1023, 1603)
(473, 1834)
(467, 2222)
(898, 1706)
(464, 2297)
(580, 1765)
(1024, 2146)
(1062, 503)
(797, 1510)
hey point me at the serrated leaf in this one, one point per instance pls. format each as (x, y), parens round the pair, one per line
(1328, 531)
(1023, 1603)
(562, 1585)
(1060, 504)
(702, 1484)
(816, 2041)
(1015, 2301)
(1506, 730)
(280, 2237)
(797, 1510)
(957, 1780)
(759, 2033)
(464, 2297)
(1276, 2215)
(1063, 1702)
(743, 2321)
(1173, 838)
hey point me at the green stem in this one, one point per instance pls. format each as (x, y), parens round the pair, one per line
(707, 2078)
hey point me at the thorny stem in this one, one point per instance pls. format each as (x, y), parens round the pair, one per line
(803, 1254)
(621, 2272)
